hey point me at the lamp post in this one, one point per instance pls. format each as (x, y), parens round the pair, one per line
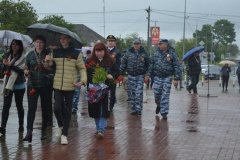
(184, 21)
(104, 19)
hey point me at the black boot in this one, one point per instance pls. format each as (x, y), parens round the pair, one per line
(2, 130)
(28, 136)
(43, 135)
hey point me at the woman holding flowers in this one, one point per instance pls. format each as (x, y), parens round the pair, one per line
(101, 68)
(14, 83)
(38, 85)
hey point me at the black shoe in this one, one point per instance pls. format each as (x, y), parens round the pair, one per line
(139, 113)
(226, 90)
(2, 130)
(20, 129)
(133, 113)
(181, 87)
(74, 111)
(164, 115)
(189, 90)
(28, 136)
(128, 99)
(43, 135)
(157, 110)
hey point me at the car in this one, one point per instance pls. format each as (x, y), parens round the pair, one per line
(214, 72)
(204, 67)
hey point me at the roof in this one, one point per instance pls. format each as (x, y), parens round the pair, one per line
(88, 34)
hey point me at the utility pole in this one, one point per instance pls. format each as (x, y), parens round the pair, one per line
(148, 41)
(184, 28)
(104, 19)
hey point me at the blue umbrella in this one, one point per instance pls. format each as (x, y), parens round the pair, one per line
(189, 53)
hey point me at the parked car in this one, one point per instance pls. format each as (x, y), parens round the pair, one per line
(204, 67)
(214, 72)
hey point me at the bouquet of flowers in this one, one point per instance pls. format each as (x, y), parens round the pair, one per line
(98, 89)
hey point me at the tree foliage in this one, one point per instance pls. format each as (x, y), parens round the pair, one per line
(123, 44)
(58, 21)
(16, 16)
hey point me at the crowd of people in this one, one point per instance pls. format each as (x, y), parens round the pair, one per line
(62, 70)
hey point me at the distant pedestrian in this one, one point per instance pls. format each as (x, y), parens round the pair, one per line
(163, 64)
(238, 74)
(116, 54)
(13, 84)
(136, 63)
(225, 71)
(181, 70)
(194, 64)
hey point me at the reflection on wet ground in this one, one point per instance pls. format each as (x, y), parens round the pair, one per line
(197, 127)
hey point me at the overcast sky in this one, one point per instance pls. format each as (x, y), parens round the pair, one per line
(124, 17)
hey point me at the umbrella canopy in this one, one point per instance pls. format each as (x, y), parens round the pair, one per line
(189, 53)
(7, 36)
(227, 62)
(52, 34)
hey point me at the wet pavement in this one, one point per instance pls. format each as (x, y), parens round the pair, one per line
(199, 127)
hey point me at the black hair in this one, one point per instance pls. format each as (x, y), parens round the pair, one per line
(40, 37)
(18, 43)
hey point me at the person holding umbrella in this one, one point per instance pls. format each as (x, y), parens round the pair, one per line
(68, 62)
(225, 76)
(194, 64)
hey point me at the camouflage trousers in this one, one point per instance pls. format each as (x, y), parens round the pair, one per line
(161, 88)
(135, 84)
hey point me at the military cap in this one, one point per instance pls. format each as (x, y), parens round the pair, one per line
(137, 41)
(163, 41)
(111, 38)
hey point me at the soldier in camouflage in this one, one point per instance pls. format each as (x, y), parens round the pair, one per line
(164, 63)
(136, 63)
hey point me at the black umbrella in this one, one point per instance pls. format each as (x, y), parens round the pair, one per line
(52, 34)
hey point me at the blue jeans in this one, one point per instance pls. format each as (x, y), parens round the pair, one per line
(76, 96)
(101, 123)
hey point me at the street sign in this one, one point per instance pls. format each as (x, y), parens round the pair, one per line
(201, 43)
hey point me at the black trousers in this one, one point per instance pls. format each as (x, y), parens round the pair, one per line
(194, 82)
(63, 120)
(112, 96)
(225, 81)
(7, 102)
(43, 92)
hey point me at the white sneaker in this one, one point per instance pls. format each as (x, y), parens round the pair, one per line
(64, 140)
(58, 132)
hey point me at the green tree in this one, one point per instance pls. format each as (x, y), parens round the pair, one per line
(190, 43)
(16, 16)
(58, 21)
(224, 32)
(125, 43)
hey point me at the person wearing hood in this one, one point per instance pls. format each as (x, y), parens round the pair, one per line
(68, 62)
(164, 63)
(136, 63)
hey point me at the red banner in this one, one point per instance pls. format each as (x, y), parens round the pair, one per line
(155, 32)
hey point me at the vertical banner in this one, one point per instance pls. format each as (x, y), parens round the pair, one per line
(155, 32)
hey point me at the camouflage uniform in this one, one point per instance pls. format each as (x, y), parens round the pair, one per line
(136, 65)
(162, 67)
